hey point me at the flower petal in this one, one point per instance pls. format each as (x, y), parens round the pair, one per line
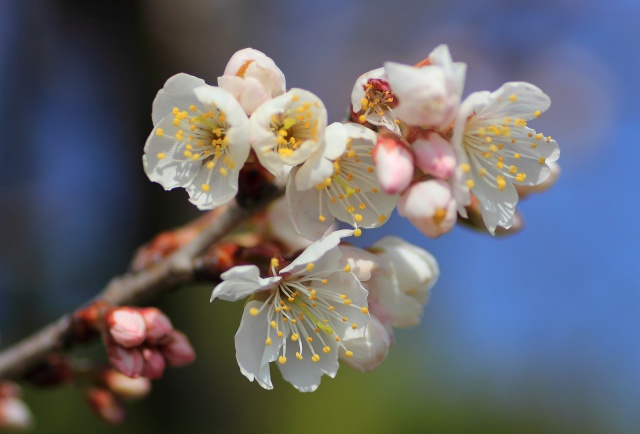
(241, 281)
(177, 92)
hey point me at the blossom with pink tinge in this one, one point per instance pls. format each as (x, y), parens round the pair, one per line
(178, 352)
(159, 327)
(434, 155)
(14, 415)
(129, 361)
(430, 206)
(373, 101)
(394, 164)
(253, 78)
(126, 326)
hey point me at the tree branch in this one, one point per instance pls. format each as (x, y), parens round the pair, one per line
(132, 288)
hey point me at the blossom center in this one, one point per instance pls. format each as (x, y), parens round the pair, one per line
(293, 127)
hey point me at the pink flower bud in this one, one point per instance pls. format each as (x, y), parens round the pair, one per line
(126, 387)
(435, 156)
(154, 363)
(430, 206)
(14, 415)
(178, 352)
(106, 405)
(159, 327)
(394, 164)
(129, 361)
(126, 326)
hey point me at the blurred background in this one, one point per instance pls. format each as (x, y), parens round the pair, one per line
(535, 333)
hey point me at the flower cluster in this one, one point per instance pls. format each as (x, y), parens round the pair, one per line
(438, 151)
(142, 342)
(411, 141)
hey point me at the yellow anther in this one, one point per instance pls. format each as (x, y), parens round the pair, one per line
(347, 268)
(513, 98)
(343, 296)
(315, 358)
(354, 326)
(493, 148)
(253, 311)
(195, 156)
(499, 164)
(291, 299)
(516, 155)
(310, 266)
(548, 139)
(223, 171)
(175, 111)
(326, 350)
(282, 360)
(382, 218)
(534, 145)
(310, 339)
(324, 281)
(362, 119)
(193, 108)
(520, 177)
(295, 98)
(331, 308)
(337, 339)
(439, 215)
(295, 337)
(176, 122)
(501, 183)
(278, 309)
(321, 218)
(189, 147)
(280, 333)
(537, 113)
(159, 132)
(357, 232)
(345, 319)
(482, 131)
(274, 325)
(347, 302)
(513, 140)
(364, 310)
(160, 156)
(513, 169)
(542, 160)
(521, 122)
(267, 342)
(358, 218)
(187, 154)
(361, 205)
(470, 183)
(539, 136)
(482, 172)
(298, 356)
(465, 167)
(349, 354)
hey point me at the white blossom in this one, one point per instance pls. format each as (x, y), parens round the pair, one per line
(200, 141)
(286, 130)
(496, 150)
(430, 206)
(348, 189)
(373, 100)
(298, 317)
(253, 78)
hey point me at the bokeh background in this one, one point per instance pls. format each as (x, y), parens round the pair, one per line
(535, 333)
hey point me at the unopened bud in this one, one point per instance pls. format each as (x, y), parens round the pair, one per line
(369, 350)
(434, 155)
(159, 327)
(106, 405)
(154, 363)
(430, 206)
(126, 326)
(178, 352)
(14, 415)
(125, 387)
(129, 361)
(394, 164)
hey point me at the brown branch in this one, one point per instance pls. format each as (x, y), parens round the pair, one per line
(131, 288)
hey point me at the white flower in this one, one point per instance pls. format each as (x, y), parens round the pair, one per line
(287, 129)
(298, 316)
(200, 141)
(497, 150)
(371, 349)
(252, 78)
(430, 206)
(400, 287)
(281, 226)
(347, 190)
(428, 96)
(373, 99)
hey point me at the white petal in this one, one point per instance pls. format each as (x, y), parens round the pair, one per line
(241, 281)
(528, 99)
(177, 92)
(324, 249)
(304, 207)
(358, 89)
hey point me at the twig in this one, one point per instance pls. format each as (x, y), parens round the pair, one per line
(131, 288)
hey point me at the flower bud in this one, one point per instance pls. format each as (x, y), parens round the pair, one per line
(394, 164)
(129, 361)
(9, 389)
(126, 387)
(435, 156)
(154, 363)
(159, 327)
(106, 405)
(430, 206)
(370, 349)
(252, 78)
(126, 326)
(178, 352)
(14, 415)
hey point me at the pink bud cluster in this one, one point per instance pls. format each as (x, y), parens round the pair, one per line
(14, 413)
(142, 342)
(420, 172)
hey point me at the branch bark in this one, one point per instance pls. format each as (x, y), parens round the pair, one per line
(131, 288)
